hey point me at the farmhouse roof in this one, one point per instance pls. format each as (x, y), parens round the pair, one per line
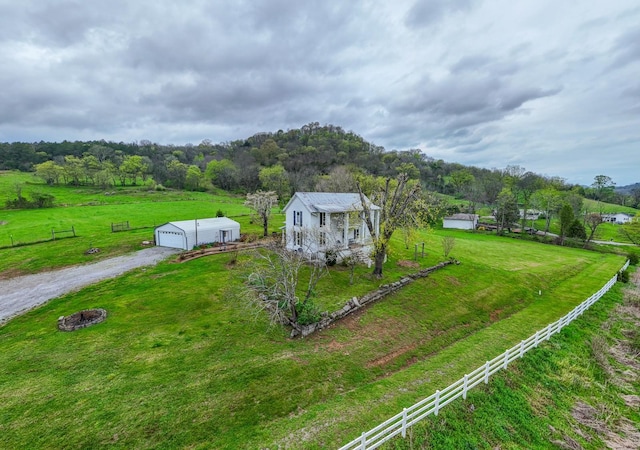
(331, 202)
(461, 216)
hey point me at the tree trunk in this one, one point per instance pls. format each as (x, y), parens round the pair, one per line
(265, 225)
(378, 262)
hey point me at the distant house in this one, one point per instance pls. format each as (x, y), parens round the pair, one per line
(617, 218)
(461, 221)
(187, 234)
(317, 222)
(532, 214)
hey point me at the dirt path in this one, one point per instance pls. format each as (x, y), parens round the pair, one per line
(20, 294)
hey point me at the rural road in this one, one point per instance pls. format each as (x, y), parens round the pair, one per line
(20, 294)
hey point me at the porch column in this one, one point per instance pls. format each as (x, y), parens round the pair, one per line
(345, 232)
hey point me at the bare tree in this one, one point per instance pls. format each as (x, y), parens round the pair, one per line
(261, 203)
(275, 275)
(593, 221)
(448, 243)
(352, 260)
(338, 180)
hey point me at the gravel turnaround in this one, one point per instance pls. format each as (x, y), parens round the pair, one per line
(20, 294)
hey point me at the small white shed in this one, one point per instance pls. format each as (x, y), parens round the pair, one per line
(187, 234)
(461, 221)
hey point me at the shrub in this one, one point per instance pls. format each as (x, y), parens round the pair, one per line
(159, 187)
(633, 258)
(248, 237)
(308, 312)
(576, 230)
(623, 276)
(331, 257)
(219, 213)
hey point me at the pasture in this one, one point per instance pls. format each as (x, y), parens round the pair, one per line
(183, 361)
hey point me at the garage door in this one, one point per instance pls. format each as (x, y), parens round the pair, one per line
(172, 239)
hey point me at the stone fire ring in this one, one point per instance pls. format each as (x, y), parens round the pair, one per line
(81, 319)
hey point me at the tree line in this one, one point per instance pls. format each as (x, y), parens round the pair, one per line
(313, 157)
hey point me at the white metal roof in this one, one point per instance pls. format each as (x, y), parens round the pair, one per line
(331, 202)
(461, 216)
(210, 223)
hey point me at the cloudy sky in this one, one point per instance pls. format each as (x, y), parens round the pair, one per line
(550, 86)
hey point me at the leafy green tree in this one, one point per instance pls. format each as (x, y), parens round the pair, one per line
(132, 167)
(506, 210)
(49, 171)
(276, 179)
(73, 170)
(603, 188)
(567, 218)
(398, 204)
(223, 174)
(462, 181)
(194, 178)
(526, 186)
(547, 201)
(176, 173)
(576, 230)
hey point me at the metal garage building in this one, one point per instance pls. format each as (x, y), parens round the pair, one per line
(187, 234)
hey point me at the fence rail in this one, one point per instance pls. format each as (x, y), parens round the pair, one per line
(398, 424)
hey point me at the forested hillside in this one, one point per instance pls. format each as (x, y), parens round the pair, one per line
(313, 157)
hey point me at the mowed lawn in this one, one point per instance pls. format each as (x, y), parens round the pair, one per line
(183, 362)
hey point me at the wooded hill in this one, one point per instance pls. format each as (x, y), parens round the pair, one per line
(284, 161)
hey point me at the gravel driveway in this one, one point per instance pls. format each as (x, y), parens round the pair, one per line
(20, 294)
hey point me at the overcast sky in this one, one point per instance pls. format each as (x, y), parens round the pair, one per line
(551, 86)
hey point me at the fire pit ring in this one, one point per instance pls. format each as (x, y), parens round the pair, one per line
(82, 319)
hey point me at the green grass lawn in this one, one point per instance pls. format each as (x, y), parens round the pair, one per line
(532, 404)
(183, 362)
(91, 214)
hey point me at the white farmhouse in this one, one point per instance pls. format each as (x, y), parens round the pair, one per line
(461, 221)
(320, 221)
(618, 218)
(187, 234)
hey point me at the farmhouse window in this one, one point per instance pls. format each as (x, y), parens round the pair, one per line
(297, 235)
(323, 239)
(323, 219)
(297, 218)
(356, 233)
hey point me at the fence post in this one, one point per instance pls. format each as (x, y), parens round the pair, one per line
(548, 332)
(74, 230)
(437, 404)
(404, 422)
(363, 441)
(486, 373)
(521, 349)
(535, 340)
(464, 386)
(53, 235)
(506, 359)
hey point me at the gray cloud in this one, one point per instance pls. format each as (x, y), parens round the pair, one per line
(429, 12)
(487, 83)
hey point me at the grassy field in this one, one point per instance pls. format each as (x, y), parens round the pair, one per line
(183, 362)
(575, 391)
(90, 212)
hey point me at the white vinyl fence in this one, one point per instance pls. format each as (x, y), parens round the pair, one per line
(398, 424)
